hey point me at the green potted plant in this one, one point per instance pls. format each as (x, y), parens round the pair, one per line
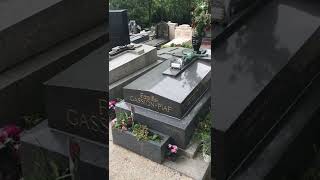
(200, 21)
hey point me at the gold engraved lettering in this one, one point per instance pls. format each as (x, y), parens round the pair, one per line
(73, 121)
(95, 126)
(103, 107)
(151, 101)
(83, 121)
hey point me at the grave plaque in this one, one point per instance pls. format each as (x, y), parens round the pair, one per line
(259, 70)
(119, 30)
(77, 98)
(30, 27)
(173, 96)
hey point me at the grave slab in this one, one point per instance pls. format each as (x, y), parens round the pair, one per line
(173, 96)
(41, 145)
(131, 61)
(30, 27)
(258, 72)
(77, 97)
(116, 88)
(179, 130)
(21, 89)
(293, 146)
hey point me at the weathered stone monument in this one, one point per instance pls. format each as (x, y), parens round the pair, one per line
(183, 34)
(161, 35)
(128, 66)
(261, 68)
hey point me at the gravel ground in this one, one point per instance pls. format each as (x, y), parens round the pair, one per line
(126, 165)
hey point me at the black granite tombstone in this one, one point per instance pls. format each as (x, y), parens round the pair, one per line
(173, 96)
(119, 30)
(77, 98)
(258, 72)
(30, 27)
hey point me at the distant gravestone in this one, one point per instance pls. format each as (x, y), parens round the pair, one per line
(172, 28)
(183, 34)
(161, 35)
(30, 27)
(118, 26)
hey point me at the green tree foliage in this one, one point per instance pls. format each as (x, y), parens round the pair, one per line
(149, 12)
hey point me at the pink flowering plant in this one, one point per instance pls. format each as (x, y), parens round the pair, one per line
(172, 151)
(112, 105)
(9, 152)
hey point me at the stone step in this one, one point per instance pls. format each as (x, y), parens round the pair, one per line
(180, 131)
(30, 27)
(21, 89)
(44, 147)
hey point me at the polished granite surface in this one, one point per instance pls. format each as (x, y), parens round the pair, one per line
(174, 88)
(246, 62)
(90, 73)
(14, 11)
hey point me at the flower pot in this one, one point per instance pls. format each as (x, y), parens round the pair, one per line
(196, 43)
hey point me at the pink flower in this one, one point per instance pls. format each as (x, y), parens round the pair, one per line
(12, 131)
(175, 147)
(173, 150)
(112, 103)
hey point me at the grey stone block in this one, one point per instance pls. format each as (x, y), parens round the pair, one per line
(30, 27)
(180, 131)
(21, 89)
(116, 88)
(42, 145)
(130, 61)
(152, 150)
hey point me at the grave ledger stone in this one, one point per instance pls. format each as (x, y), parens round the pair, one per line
(30, 27)
(257, 78)
(77, 98)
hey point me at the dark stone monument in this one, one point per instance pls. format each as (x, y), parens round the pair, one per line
(119, 30)
(22, 90)
(173, 96)
(170, 104)
(43, 150)
(161, 35)
(259, 70)
(293, 147)
(77, 98)
(30, 27)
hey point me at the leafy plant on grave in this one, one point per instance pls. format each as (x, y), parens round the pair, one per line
(142, 133)
(203, 133)
(123, 121)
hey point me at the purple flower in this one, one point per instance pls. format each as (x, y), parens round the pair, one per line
(112, 104)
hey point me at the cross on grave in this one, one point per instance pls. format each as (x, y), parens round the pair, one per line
(120, 49)
(181, 62)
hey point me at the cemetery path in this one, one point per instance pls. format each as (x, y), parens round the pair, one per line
(124, 165)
